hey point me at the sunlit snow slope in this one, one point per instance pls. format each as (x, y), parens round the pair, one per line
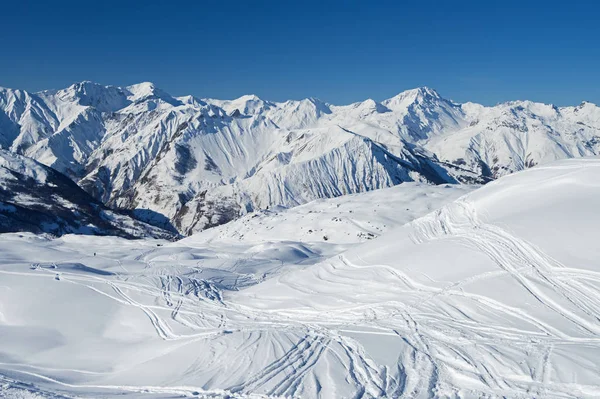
(497, 293)
(123, 315)
(494, 294)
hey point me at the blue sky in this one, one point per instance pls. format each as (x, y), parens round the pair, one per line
(341, 52)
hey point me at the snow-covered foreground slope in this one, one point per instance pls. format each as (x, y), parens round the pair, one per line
(495, 294)
(189, 163)
(104, 315)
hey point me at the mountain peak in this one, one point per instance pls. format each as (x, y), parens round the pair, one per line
(248, 104)
(423, 91)
(91, 94)
(86, 83)
(87, 86)
(248, 97)
(143, 89)
(420, 95)
(148, 90)
(419, 92)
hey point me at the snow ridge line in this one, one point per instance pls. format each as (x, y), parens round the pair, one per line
(525, 263)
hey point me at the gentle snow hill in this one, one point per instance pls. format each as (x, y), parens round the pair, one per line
(496, 294)
(349, 219)
(189, 164)
(38, 199)
(104, 316)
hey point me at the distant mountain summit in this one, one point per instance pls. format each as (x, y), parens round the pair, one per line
(190, 163)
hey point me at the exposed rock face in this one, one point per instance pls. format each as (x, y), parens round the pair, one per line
(38, 199)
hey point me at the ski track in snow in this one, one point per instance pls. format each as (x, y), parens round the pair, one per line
(343, 325)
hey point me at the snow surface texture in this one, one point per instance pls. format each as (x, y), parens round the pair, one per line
(114, 322)
(493, 294)
(189, 163)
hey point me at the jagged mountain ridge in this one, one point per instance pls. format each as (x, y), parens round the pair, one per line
(192, 163)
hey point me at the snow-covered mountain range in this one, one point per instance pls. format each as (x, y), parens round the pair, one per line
(186, 164)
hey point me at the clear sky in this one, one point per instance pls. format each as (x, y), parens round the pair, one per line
(340, 52)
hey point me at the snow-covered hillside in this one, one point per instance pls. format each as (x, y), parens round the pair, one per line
(345, 220)
(38, 199)
(493, 294)
(85, 278)
(190, 163)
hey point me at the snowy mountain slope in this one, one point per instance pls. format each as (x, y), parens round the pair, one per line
(38, 199)
(317, 163)
(495, 294)
(520, 134)
(150, 314)
(348, 219)
(205, 167)
(412, 115)
(61, 128)
(189, 163)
